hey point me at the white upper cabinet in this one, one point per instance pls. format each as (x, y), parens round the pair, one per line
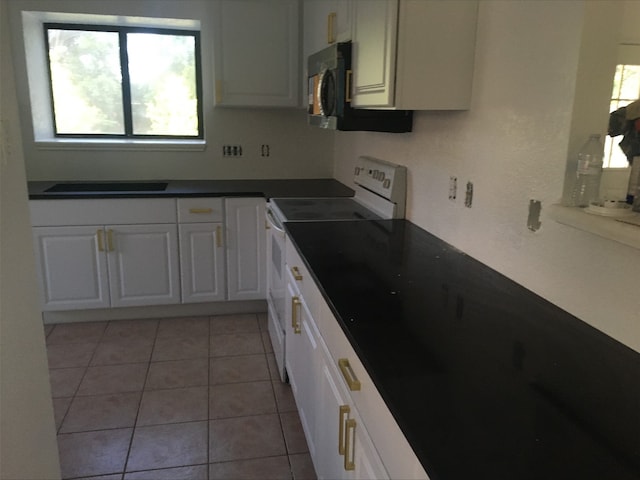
(256, 53)
(413, 54)
(324, 23)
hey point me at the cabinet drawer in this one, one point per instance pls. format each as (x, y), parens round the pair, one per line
(200, 210)
(125, 211)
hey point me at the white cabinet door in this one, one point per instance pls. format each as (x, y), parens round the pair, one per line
(332, 410)
(72, 269)
(143, 264)
(246, 248)
(202, 271)
(344, 448)
(302, 361)
(375, 24)
(257, 53)
(325, 22)
(413, 54)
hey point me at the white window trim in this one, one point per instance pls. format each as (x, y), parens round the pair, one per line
(39, 95)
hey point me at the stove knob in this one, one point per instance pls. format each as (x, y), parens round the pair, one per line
(386, 183)
(381, 176)
(358, 170)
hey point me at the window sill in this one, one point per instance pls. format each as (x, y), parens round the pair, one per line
(616, 229)
(121, 145)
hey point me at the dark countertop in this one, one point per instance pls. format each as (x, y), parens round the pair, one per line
(486, 379)
(321, 187)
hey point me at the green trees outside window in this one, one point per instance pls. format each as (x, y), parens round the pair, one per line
(124, 82)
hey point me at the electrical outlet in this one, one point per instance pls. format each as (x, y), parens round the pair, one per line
(265, 150)
(232, 150)
(468, 196)
(533, 220)
(453, 188)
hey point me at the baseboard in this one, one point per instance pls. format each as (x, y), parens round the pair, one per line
(156, 311)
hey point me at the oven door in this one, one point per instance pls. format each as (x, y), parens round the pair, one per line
(276, 267)
(276, 290)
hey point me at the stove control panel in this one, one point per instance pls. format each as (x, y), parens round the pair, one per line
(383, 178)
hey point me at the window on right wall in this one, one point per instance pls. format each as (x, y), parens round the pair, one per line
(626, 89)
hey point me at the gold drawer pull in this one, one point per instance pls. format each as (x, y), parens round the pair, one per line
(100, 235)
(201, 210)
(347, 373)
(349, 447)
(344, 410)
(295, 271)
(110, 241)
(295, 322)
(219, 243)
(331, 21)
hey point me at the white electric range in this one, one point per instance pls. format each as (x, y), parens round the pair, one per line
(380, 193)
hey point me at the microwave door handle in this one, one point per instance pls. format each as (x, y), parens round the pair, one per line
(273, 222)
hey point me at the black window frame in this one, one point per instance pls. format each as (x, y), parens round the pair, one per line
(125, 84)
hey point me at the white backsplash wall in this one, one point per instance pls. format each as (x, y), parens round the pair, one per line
(512, 144)
(296, 151)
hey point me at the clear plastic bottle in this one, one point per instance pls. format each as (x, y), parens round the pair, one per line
(586, 186)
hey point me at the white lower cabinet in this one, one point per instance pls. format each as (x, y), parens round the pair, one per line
(101, 253)
(246, 248)
(349, 428)
(338, 440)
(202, 262)
(143, 265)
(106, 253)
(107, 265)
(343, 447)
(302, 358)
(72, 271)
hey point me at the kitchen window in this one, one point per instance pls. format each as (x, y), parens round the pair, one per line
(625, 90)
(111, 82)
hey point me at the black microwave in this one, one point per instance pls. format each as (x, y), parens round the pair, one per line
(329, 104)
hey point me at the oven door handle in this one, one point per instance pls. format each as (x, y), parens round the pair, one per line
(273, 222)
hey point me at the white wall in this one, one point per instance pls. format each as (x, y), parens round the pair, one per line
(513, 145)
(28, 447)
(297, 150)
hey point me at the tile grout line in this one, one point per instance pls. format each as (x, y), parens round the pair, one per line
(84, 374)
(144, 384)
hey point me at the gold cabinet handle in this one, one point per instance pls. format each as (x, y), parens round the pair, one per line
(344, 410)
(100, 235)
(350, 446)
(331, 21)
(110, 241)
(200, 210)
(295, 322)
(347, 373)
(295, 271)
(219, 243)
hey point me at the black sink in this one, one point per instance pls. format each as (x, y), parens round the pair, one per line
(108, 187)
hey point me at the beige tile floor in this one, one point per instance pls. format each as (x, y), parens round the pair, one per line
(185, 398)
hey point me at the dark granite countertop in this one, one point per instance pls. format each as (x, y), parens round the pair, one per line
(321, 187)
(486, 379)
